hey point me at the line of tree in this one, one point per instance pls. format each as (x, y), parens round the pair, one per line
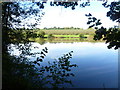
(52, 28)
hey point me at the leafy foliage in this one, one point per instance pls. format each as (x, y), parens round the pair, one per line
(114, 13)
(112, 36)
(71, 4)
(57, 71)
(18, 70)
(31, 74)
(81, 36)
(93, 20)
(13, 14)
(41, 34)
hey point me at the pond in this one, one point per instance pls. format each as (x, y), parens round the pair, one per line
(97, 65)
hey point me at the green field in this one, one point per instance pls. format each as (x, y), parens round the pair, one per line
(67, 36)
(55, 36)
(72, 34)
(69, 32)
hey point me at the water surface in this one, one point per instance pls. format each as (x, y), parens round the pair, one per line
(97, 65)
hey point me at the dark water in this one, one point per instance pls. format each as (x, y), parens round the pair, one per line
(97, 65)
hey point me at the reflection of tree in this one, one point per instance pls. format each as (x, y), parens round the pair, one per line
(50, 40)
(41, 41)
(82, 39)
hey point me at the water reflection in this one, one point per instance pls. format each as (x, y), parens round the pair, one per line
(97, 65)
(56, 74)
(52, 74)
(42, 41)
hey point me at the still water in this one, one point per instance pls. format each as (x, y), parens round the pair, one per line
(97, 65)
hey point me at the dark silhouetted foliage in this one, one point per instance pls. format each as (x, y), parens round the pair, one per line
(71, 4)
(112, 35)
(114, 13)
(55, 74)
(18, 71)
(41, 34)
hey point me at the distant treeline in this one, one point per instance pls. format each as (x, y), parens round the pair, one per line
(62, 28)
(50, 32)
(57, 28)
(54, 28)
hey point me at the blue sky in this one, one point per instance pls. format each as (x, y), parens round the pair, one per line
(66, 17)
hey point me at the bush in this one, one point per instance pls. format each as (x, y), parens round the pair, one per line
(50, 36)
(81, 36)
(41, 34)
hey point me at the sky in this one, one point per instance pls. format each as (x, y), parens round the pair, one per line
(57, 16)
